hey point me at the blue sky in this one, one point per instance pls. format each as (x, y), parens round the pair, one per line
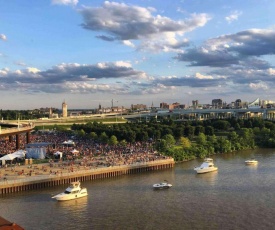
(135, 52)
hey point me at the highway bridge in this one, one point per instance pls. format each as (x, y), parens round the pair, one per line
(205, 114)
(16, 130)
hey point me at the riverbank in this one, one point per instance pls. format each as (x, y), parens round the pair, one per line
(27, 177)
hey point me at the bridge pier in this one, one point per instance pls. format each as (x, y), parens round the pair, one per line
(28, 137)
(17, 142)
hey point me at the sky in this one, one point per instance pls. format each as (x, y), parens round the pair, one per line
(91, 52)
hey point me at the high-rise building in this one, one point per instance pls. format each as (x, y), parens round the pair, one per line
(64, 109)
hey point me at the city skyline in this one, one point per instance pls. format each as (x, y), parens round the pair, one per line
(134, 52)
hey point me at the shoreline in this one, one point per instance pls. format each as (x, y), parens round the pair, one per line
(42, 177)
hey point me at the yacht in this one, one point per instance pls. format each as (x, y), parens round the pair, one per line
(162, 185)
(251, 162)
(206, 166)
(74, 191)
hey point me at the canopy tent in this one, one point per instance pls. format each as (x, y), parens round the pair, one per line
(7, 157)
(68, 143)
(11, 156)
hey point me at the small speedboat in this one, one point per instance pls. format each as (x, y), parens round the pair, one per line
(206, 166)
(74, 191)
(162, 185)
(251, 162)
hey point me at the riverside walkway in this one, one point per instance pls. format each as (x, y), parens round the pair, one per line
(43, 176)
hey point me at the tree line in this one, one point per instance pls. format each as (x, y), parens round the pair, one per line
(186, 139)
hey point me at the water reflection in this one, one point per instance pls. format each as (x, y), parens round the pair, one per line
(211, 177)
(73, 206)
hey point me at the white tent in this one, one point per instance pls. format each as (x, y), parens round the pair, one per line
(58, 154)
(69, 142)
(74, 151)
(7, 157)
(11, 156)
(19, 154)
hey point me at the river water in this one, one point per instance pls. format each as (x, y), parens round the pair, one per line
(235, 197)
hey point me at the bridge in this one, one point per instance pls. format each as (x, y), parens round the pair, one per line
(16, 131)
(205, 114)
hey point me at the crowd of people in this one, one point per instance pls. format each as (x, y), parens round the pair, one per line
(66, 150)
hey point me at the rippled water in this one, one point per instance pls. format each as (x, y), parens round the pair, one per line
(235, 197)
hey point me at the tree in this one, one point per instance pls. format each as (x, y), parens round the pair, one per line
(189, 131)
(221, 125)
(247, 138)
(185, 142)
(170, 140)
(81, 133)
(201, 139)
(199, 129)
(233, 137)
(113, 140)
(131, 136)
(123, 143)
(93, 135)
(209, 131)
(104, 138)
(224, 145)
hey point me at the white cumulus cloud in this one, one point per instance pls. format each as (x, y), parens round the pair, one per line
(3, 37)
(65, 2)
(234, 16)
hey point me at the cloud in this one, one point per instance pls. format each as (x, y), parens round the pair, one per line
(207, 57)
(241, 48)
(76, 77)
(190, 81)
(260, 85)
(234, 16)
(3, 37)
(200, 76)
(122, 22)
(64, 2)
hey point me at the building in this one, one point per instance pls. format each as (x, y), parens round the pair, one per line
(64, 109)
(175, 105)
(217, 103)
(138, 107)
(164, 105)
(195, 104)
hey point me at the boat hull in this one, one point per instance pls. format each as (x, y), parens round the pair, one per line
(158, 186)
(205, 170)
(69, 197)
(63, 196)
(251, 163)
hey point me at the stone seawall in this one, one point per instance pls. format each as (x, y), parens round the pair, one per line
(43, 181)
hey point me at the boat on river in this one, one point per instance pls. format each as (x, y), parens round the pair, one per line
(251, 162)
(74, 191)
(162, 185)
(206, 166)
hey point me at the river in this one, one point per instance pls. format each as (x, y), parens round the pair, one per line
(235, 197)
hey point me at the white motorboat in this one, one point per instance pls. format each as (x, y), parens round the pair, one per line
(251, 162)
(206, 166)
(162, 185)
(74, 191)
